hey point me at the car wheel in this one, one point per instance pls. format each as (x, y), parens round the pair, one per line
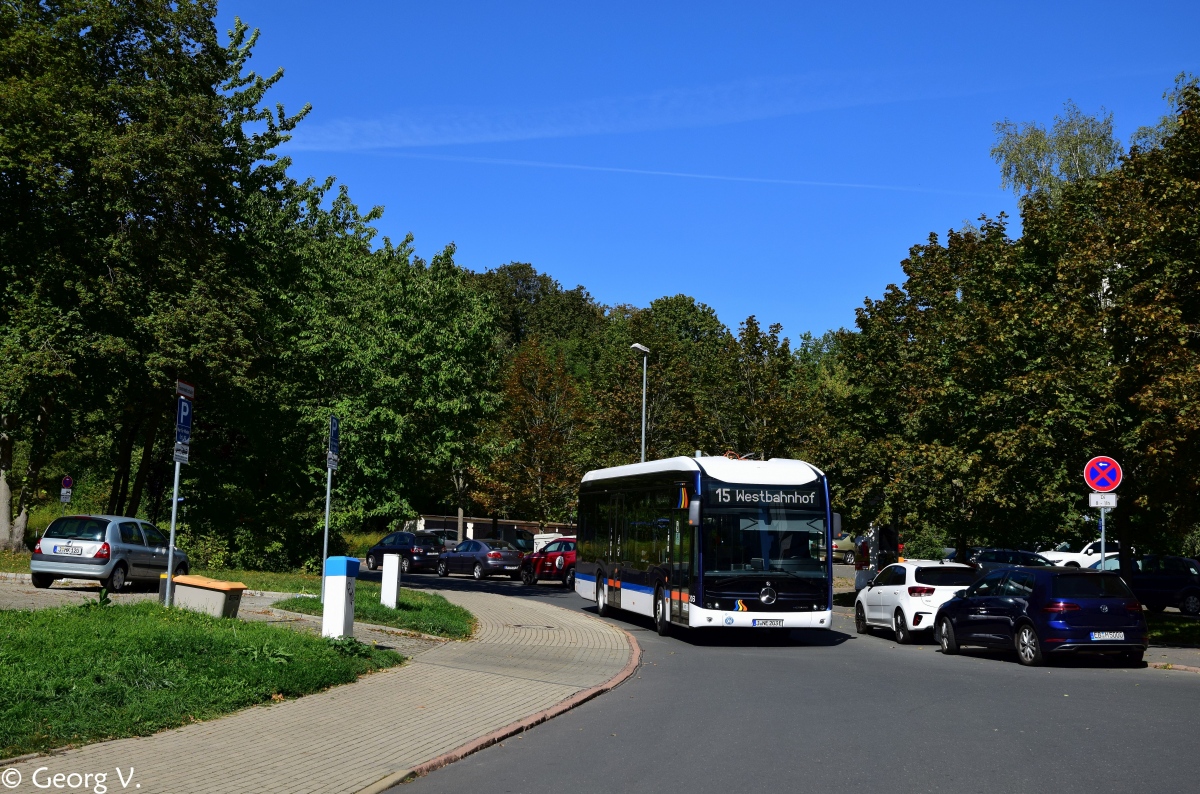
(848, 559)
(181, 569)
(372, 563)
(662, 621)
(1071, 565)
(42, 580)
(1190, 604)
(569, 579)
(443, 569)
(115, 582)
(1029, 649)
(945, 637)
(860, 620)
(405, 564)
(602, 608)
(478, 572)
(900, 625)
(527, 575)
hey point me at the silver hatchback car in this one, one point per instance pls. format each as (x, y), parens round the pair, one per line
(113, 549)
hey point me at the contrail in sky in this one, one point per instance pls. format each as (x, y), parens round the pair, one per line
(678, 174)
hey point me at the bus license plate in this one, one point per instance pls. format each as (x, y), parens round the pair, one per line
(1108, 635)
(78, 550)
(769, 623)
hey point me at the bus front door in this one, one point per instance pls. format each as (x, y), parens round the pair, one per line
(681, 568)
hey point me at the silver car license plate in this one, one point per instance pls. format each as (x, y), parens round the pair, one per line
(1108, 635)
(776, 623)
(510, 567)
(76, 550)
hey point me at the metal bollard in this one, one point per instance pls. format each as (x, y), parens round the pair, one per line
(337, 619)
(390, 592)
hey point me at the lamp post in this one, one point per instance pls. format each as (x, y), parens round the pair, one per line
(645, 353)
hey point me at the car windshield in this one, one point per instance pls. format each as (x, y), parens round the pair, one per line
(501, 545)
(1070, 547)
(748, 541)
(942, 576)
(77, 528)
(1082, 585)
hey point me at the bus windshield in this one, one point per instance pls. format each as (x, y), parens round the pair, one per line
(751, 541)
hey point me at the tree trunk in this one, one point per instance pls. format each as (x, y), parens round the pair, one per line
(139, 482)
(7, 538)
(460, 524)
(33, 471)
(116, 497)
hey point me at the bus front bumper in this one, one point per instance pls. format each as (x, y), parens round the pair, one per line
(720, 618)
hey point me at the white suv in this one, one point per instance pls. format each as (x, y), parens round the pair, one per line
(905, 596)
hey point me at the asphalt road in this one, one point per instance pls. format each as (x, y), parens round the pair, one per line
(834, 711)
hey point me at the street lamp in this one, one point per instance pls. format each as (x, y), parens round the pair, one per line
(645, 352)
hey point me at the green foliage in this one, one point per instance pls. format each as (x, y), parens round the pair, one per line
(71, 676)
(427, 613)
(1076, 147)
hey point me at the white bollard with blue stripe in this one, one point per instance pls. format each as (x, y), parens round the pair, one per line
(338, 617)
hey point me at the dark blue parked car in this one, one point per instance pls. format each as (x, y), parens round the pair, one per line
(1045, 611)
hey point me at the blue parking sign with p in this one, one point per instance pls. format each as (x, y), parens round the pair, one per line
(183, 421)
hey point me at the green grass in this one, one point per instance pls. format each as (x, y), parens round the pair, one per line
(268, 580)
(14, 561)
(424, 612)
(1172, 628)
(359, 543)
(83, 674)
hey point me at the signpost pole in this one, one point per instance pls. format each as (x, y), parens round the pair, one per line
(184, 394)
(171, 544)
(332, 450)
(325, 547)
(1103, 510)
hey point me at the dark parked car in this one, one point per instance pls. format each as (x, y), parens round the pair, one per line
(1161, 582)
(987, 560)
(481, 559)
(556, 560)
(418, 551)
(1044, 611)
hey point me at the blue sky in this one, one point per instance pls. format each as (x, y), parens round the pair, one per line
(775, 159)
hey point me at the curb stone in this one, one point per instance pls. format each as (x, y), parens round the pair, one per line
(520, 726)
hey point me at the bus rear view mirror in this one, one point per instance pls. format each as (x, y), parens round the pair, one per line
(694, 513)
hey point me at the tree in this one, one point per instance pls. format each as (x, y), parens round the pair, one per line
(1148, 137)
(1077, 146)
(534, 470)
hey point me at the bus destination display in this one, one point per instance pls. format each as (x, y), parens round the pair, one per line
(718, 494)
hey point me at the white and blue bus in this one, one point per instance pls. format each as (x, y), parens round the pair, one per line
(708, 542)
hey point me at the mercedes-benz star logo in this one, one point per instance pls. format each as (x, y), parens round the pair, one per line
(1104, 607)
(767, 596)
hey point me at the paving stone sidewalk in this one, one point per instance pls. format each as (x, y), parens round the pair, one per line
(527, 656)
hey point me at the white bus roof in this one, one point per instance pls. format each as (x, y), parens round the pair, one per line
(776, 471)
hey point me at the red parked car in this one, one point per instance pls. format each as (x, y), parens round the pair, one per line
(556, 560)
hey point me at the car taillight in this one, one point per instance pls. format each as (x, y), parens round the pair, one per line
(1133, 606)
(1060, 607)
(520, 555)
(103, 553)
(920, 592)
(418, 550)
(494, 555)
(37, 547)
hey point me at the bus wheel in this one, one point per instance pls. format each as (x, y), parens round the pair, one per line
(662, 621)
(601, 596)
